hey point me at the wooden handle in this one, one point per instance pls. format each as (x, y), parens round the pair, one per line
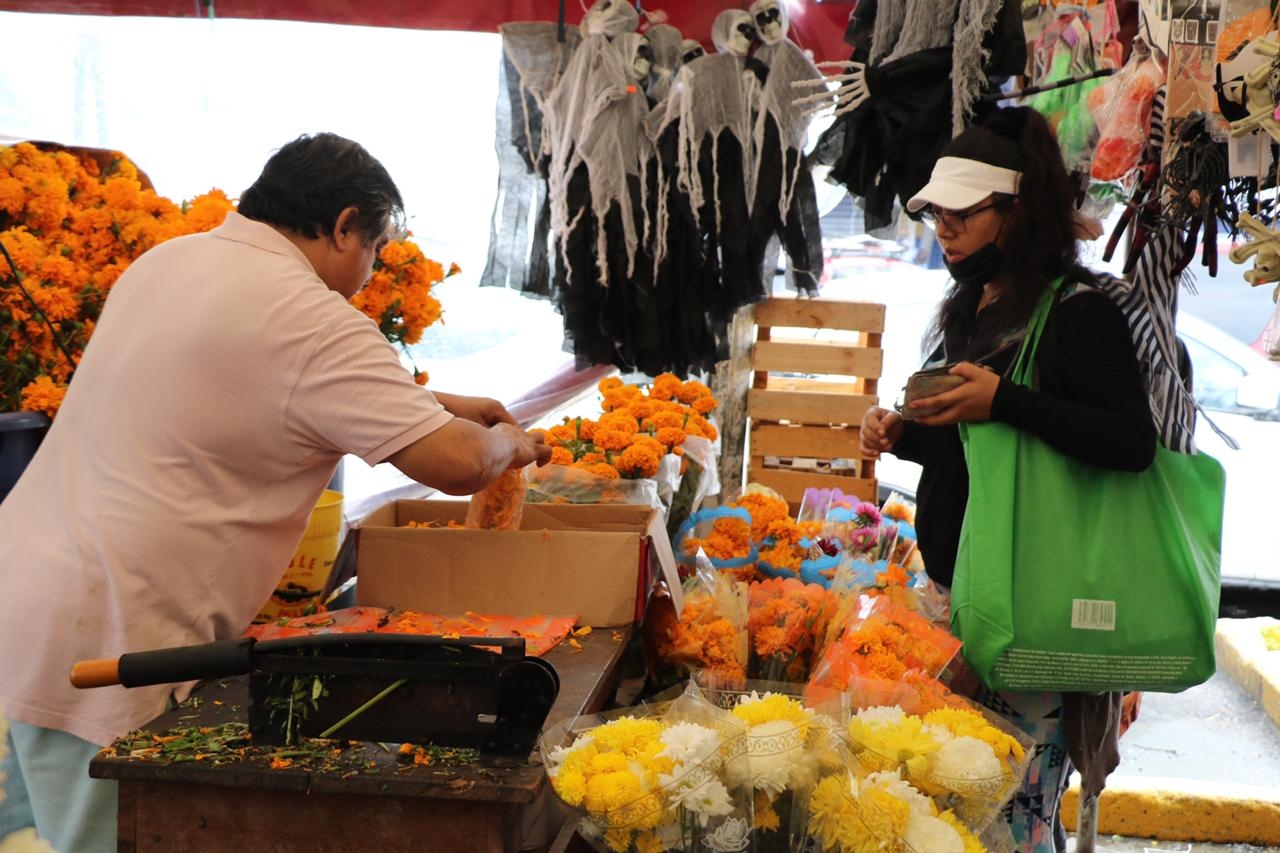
(96, 673)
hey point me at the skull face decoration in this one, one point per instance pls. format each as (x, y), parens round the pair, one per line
(771, 20)
(691, 49)
(609, 18)
(733, 32)
(642, 62)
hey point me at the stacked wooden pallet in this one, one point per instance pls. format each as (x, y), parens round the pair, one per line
(816, 364)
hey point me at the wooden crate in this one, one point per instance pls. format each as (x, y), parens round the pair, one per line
(817, 363)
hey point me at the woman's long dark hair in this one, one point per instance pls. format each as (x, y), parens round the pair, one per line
(1040, 242)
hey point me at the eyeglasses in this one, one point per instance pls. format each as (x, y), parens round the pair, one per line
(955, 222)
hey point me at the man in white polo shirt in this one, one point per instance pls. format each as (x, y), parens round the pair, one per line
(227, 377)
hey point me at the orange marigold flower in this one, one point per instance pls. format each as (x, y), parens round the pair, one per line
(638, 461)
(608, 439)
(692, 390)
(591, 458)
(43, 395)
(671, 436)
(704, 405)
(561, 456)
(561, 433)
(609, 383)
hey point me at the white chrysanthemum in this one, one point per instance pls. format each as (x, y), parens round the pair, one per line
(777, 757)
(688, 743)
(881, 716)
(558, 755)
(892, 782)
(940, 734)
(708, 800)
(966, 759)
(930, 833)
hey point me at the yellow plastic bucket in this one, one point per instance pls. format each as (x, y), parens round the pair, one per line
(299, 589)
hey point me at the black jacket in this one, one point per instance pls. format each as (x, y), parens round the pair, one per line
(1090, 403)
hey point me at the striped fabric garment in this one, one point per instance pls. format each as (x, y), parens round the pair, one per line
(1149, 300)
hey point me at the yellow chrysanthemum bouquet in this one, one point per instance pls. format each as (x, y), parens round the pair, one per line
(968, 760)
(71, 221)
(669, 776)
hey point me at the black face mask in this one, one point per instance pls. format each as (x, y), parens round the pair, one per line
(979, 268)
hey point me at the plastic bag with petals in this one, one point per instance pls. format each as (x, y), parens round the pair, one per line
(669, 776)
(500, 505)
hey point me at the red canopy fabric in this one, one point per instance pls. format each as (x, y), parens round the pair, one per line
(815, 25)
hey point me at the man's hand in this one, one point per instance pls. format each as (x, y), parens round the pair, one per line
(880, 431)
(529, 446)
(480, 410)
(967, 403)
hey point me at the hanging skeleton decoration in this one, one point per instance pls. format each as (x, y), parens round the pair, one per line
(691, 49)
(593, 141)
(1258, 96)
(1264, 248)
(784, 203)
(664, 41)
(533, 59)
(901, 97)
(709, 118)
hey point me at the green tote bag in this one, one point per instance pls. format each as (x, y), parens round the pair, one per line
(1071, 577)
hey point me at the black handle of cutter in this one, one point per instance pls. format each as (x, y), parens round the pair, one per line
(187, 663)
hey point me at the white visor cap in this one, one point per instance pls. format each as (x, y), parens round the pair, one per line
(957, 183)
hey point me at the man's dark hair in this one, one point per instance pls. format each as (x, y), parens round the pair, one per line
(311, 180)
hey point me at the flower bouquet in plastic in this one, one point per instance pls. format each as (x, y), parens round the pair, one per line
(853, 812)
(787, 621)
(652, 445)
(723, 536)
(969, 760)
(882, 639)
(673, 776)
(710, 633)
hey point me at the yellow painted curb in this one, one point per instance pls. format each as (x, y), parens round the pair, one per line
(1242, 654)
(1183, 810)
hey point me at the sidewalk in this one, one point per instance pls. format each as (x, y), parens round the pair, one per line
(1200, 769)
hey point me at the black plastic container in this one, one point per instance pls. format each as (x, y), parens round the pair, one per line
(20, 435)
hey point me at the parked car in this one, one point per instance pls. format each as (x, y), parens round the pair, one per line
(1237, 386)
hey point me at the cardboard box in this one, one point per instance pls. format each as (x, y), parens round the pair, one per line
(590, 561)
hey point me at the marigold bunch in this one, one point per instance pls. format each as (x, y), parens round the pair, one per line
(787, 620)
(72, 223)
(711, 632)
(636, 428)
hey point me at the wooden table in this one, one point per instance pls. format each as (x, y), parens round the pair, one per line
(386, 807)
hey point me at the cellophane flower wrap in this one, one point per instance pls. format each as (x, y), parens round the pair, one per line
(968, 759)
(671, 776)
(787, 620)
(854, 812)
(710, 634)
(659, 433)
(883, 639)
(721, 534)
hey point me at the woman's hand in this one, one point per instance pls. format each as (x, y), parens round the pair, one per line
(880, 431)
(965, 403)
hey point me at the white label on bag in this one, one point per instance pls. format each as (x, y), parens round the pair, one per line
(1091, 615)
